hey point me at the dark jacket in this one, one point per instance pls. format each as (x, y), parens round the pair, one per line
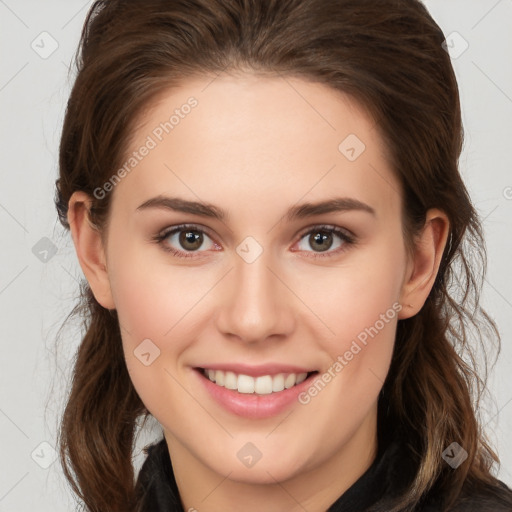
(386, 476)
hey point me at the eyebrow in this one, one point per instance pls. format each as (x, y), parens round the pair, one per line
(295, 212)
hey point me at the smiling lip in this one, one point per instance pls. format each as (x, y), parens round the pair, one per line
(257, 370)
(252, 405)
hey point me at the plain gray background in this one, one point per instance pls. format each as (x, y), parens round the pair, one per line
(39, 271)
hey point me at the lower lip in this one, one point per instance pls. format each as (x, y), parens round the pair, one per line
(252, 405)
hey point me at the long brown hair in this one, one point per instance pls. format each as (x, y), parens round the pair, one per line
(386, 54)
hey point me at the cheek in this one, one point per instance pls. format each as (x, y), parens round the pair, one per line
(142, 303)
(360, 302)
(152, 297)
(144, 307)
(347, 389)
(361, 351)
(157, 306)
(360, 308)
(147, 311)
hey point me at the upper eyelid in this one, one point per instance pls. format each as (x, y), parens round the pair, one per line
(320, 226)
(182, 227)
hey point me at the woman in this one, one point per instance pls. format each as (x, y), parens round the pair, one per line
(307, 350)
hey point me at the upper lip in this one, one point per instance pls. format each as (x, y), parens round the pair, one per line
(256, 370)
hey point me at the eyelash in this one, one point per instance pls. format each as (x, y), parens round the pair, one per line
(349, 240)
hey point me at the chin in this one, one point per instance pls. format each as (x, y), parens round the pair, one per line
(274, 466)
(263, 474)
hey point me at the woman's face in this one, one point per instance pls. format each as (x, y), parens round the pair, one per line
(259, 286)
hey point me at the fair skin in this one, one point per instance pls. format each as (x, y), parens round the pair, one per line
(255, 148)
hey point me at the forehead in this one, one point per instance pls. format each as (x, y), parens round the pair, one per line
(255, 137)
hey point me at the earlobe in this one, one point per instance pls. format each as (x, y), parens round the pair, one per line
(89, 248)
(424, 266)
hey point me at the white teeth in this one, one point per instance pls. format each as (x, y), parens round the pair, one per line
(230, 380)
(245, 384)
(301, 377)
(278, 382)
(262, 385)
(290, 380)
(219, 378)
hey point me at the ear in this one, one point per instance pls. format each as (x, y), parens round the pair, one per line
(89, 248)
(423, 267)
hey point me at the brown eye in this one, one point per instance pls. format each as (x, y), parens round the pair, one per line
(190, 240)
(321, 240)
(184, 241)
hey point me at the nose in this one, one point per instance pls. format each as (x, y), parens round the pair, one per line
(257, 303)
